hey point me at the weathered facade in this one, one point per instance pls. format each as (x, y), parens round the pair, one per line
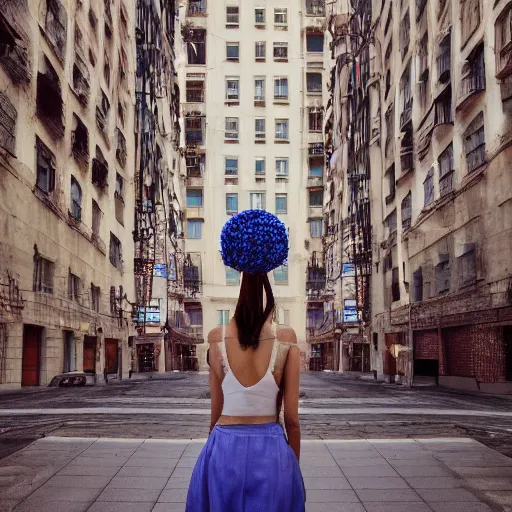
(253, 90)
(66, 188)
(440, 105)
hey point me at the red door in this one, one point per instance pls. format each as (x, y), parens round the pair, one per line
(111, 356)
(90, 354)
(31, 355)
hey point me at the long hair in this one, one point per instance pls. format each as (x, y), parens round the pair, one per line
(251, 312)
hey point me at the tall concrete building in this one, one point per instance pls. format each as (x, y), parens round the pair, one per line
(432, 85)
(253, 88)
(81, 180)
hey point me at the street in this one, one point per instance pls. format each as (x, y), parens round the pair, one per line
(367, 446)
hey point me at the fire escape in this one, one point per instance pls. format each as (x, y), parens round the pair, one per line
(358, 220)
(149, 85)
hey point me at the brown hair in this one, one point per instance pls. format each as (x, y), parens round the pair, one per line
(251, 313)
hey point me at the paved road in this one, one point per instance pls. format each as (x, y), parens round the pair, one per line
(176, 406)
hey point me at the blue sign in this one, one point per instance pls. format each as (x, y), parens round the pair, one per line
(348, 270)
(160, 270)
(152, 315)
(350, 316)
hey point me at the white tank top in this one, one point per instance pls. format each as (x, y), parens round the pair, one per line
(257, 400)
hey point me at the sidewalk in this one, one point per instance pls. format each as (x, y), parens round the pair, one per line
(136, 475)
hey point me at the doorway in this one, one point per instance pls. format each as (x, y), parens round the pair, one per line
(31, 358)
(90, 354)
(111, 356)
(69, 352)
(146, 357)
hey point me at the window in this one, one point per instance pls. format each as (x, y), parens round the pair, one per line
(194, 130)
(259, 129)
(407, 212)
(55, 27)
(43, 275)
(315, 43)
(282, 203)
(259, 167)
(194, 228)
(233, 51)
(231, 203)
(195, 165)
(395, 285)
(259, 16)
(503, 43)
(223, 317)
(281, 52)
(73, 287)
(390, 223)
(233, 89)
(315, 7)
(473, 73)
(232, 16)
(281, 89)
(115, 253)
(316, 228)
(194, 198)
(50, 107)
(99, 170)
(428, 188)
(314, 316)
(405, 96)
(259, 89)
(195, 40)
(195, 91)
(232, 277)
(281, 129)
(121, 154)
(257, 200)
(390, 175)
(405, 29)
(443, 273)
(443, 108)
(282, 167)
(446, 171)
(76, 199)
(314, 82)
(466, 266)
(95, 298)
(316, 116)
(474, 143)
(231, 166)
(196, 7)
(80, 141)
(96, 219)
(444, 59)
(260, 50)
(417, 285)
(281, 275)
(194, 312)
(470, 17)
(280, 17)
(45, 179)
(316, 167)
(102, 112)
(316, 197)
(231, 128)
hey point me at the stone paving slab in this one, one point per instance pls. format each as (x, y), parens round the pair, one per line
(136, 475)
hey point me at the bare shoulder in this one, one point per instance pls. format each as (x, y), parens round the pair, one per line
(286, 335)
(215, 335)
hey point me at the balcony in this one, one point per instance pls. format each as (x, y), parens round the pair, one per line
(196, 8)
(316, 149)
(443, 67)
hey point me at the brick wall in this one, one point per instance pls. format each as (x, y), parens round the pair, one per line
(426, 344)
(474, 351)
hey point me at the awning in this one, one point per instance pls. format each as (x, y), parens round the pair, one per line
(182, 338)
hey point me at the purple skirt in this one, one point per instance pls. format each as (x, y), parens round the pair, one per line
(247, 468)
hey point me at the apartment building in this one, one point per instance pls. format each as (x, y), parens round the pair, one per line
(252, 88)
(439, 124)
(66, 196)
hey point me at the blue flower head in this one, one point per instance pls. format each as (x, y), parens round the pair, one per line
(254, 241)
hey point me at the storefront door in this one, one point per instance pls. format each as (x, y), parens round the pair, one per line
(31, 362)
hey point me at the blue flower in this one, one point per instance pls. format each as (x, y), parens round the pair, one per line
(254, 241)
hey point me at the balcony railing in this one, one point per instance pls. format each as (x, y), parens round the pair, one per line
(196, 7)
(315, 7)
(407, 162)
(316, 149)
(406, 114)
(472, 83)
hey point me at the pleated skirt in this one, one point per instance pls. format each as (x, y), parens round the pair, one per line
(247, 468)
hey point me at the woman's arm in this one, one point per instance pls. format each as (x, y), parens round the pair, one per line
(291, 399)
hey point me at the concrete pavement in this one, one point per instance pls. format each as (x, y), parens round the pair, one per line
(57, 474)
